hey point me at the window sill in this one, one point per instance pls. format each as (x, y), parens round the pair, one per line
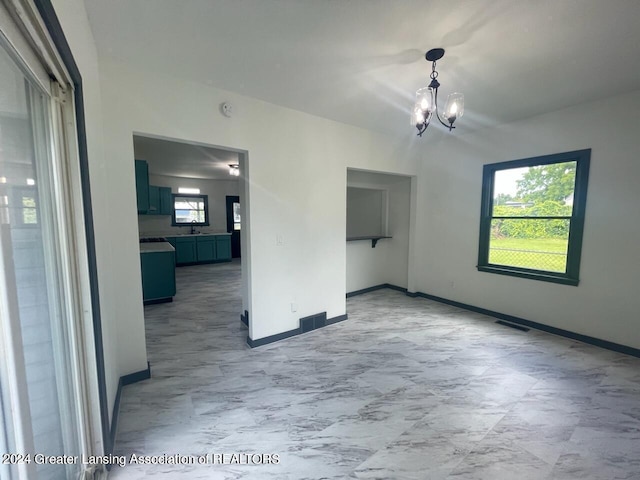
(530, 274)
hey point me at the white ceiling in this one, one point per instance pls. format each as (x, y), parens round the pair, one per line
(179, 159)
(360, 61)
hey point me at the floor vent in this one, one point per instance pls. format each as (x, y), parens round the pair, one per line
(517, 327)
(312, 322)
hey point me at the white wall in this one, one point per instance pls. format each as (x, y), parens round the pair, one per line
(388, 262)
(366, 211)
(297, 181)
(606, 303)
(124, 348)
(216, 190)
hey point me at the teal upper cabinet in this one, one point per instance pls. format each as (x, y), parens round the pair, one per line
(154, 200)
(142, 186)
(151, 199)
(159, 200)
(166, 203)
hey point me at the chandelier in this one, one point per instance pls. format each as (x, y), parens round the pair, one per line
(427, 100)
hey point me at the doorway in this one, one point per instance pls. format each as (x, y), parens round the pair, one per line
(234, 219)
(174, 168)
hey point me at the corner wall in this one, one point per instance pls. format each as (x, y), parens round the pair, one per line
(605, 304)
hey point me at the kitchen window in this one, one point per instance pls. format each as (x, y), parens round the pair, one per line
(532, 217)
(190, 210)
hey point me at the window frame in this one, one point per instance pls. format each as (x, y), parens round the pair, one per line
(204, 198)
(571, 276)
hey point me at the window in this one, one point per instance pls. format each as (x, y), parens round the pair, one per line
(190, 210)
(236, 216)
(532, 217)
(25, 206)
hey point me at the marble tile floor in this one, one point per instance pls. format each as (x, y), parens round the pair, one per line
(406, 388)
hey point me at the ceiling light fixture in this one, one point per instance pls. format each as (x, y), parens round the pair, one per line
(234, 170)
(427, 100)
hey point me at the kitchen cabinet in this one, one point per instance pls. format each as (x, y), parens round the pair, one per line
(166, 202)
(154, 200)
(206, 248)
(223, 248)
(158, 266)
(142, 186)
(195, 249)
(151, 199)
(159, 200)
(186, 250)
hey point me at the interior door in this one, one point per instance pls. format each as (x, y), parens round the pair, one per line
(234, 224)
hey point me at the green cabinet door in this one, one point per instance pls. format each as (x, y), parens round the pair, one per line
(223, 247)
(186, 250)
(142, 186)
(166, 205)
(158, 275)
(206, 248)
(154, 200)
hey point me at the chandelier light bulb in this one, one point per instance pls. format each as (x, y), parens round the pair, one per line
(454, 107)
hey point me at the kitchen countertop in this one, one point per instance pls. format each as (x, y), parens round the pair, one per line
(202, 234)
(156, 247)
(171, 235)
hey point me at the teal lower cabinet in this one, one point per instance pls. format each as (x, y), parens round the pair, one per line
(223, 248)
(195, 249)
(158, 276)
(206, 247)
(186, 250)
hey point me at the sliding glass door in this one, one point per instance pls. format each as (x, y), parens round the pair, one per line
(39, 388)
